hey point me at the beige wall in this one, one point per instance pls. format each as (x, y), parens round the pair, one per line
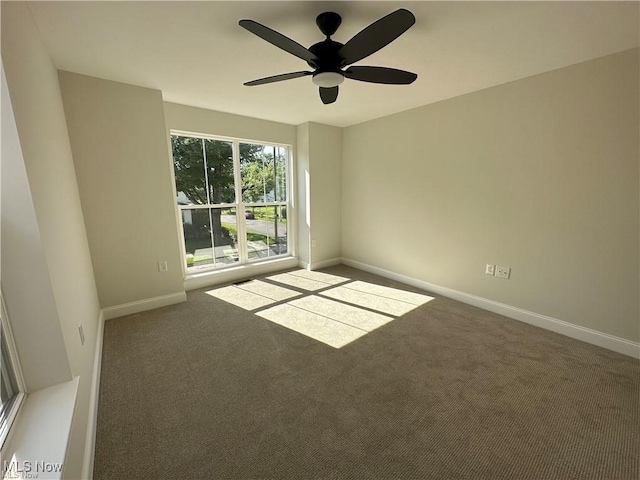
(35, 95)
(25, 275)
(325, 154)
(198, 120)
(120, 150)
(303, 190)
(319, 155)
(540, 175)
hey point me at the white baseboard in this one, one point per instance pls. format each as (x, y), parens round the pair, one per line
(594, 337)
(143, 305)
(92, 422)
(304, 265)
(324, 264)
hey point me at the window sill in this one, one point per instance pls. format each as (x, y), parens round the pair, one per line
(13, 410)
(38, 439)
(241, 272)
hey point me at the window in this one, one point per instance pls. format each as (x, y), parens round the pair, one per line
(233, 199)
(11, 386)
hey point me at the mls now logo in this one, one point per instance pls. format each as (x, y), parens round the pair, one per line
(28, 469)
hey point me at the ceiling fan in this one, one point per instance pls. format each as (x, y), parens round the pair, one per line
(330, 59)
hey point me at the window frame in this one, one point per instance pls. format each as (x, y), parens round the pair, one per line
(240, 204)
(7, 419)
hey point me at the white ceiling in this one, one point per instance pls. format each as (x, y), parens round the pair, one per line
(196, 53)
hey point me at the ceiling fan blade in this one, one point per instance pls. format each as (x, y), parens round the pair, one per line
(277, 39)
(390, 76)
(277, 78)
(377, 35)
(328, 95)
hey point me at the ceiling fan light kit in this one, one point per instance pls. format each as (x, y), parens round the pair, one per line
(330, 59)
(328, 79)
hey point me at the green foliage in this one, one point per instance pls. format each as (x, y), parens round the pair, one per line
(257, 181)
(267, 213)
(263, 179)
(254, 236)
(189, 166)
(188, 163)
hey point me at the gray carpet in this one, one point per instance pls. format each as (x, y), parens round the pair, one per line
(208, 390)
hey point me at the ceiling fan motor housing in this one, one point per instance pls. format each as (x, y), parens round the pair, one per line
(327, 57)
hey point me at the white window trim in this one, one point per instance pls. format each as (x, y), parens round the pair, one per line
(290, 203)
(5, 427)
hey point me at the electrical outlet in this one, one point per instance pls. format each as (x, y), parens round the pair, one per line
(314, 243)
(81, 331)
(503, 272)
(162, 266)
(490, 269)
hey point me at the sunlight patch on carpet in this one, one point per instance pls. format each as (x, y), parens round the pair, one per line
(388, 292)
(308, 280)
(323, 329)
(340, 312)
(327, 278)
(344, 312)
(298, 282)
(253, 295)
(383, 301)
(240, 298)
(268, 290)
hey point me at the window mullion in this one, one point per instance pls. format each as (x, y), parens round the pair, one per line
(206, 184)
(289, 196)
(264, 204)
(240, 215)
(206, 173)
